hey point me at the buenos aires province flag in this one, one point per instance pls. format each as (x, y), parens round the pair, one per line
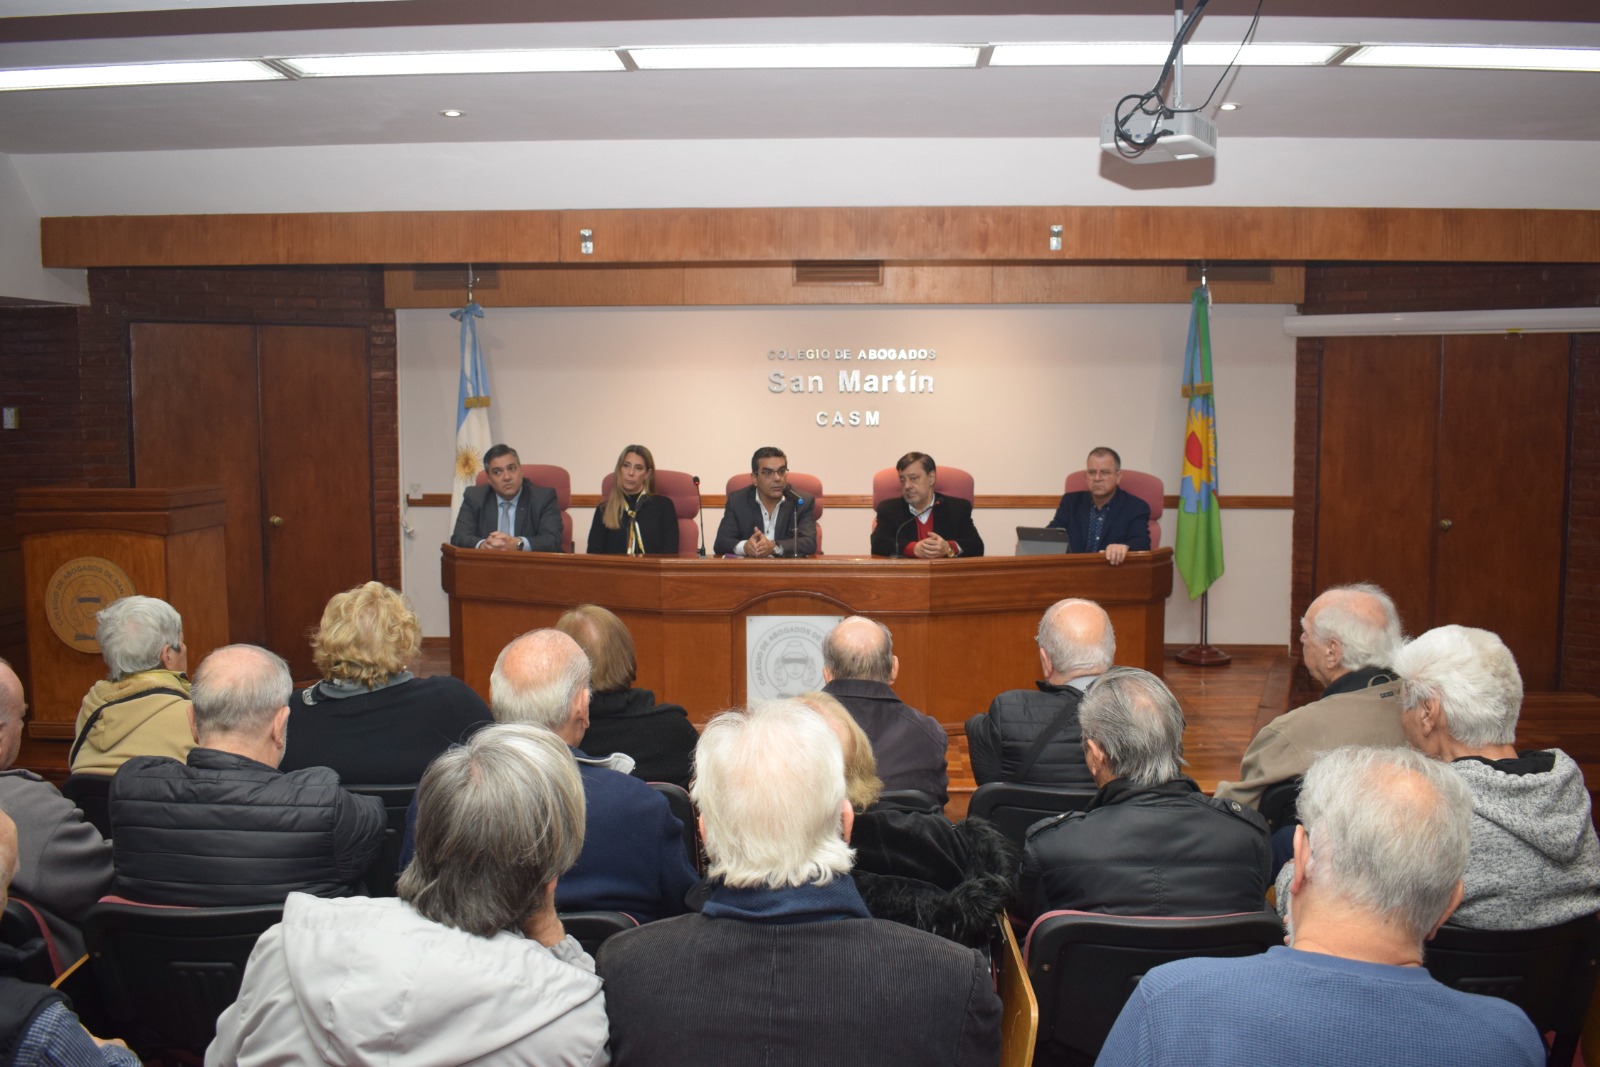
(1199, 549)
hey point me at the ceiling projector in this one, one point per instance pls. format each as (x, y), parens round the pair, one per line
(1179, 136)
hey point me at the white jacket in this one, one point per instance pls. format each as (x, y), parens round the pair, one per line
(359, 981)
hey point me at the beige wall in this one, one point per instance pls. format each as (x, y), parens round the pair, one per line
(1019, 396)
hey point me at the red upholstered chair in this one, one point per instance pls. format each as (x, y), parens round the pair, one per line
(951, 481)
(807, 485)
(679, 487)
(1146, 487)
(549, 476)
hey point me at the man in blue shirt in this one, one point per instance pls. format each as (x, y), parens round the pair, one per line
(1378, 864)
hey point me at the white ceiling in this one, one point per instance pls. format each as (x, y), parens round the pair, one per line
(659, 105)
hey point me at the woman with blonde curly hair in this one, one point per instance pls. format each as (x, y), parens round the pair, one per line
(370, 718)
(633, 521)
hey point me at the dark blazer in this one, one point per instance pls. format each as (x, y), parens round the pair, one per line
(538, 518)
(908, 745)
(658, 525)
(1127, 521)
(743, 514)
(952, 520)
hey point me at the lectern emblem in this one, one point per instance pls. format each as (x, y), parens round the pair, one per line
(76, 592)
(785, 654)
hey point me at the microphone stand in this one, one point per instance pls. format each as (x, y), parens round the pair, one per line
(795, 500)
(699, 512)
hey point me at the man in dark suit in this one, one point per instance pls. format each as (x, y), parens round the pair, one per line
(924, 524)
(510, 514)
(1103, 518)
(768, 519)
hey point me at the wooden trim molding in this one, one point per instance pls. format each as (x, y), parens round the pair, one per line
(863, 501)
(777, 235)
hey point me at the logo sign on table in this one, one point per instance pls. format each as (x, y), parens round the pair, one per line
(783, 654)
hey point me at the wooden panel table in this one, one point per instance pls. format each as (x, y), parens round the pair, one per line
(963, 628)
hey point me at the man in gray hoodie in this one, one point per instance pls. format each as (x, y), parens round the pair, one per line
(1535, 859)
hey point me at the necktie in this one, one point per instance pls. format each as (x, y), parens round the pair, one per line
(505, 516)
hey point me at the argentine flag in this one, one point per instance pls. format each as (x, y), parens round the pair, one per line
(472, 408)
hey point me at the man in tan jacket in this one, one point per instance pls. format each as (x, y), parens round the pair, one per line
(1347, 639)
(142, 709)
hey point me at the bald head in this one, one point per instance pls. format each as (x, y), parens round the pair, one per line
(8, 855)
(1075, 641)
(239, 690)
(859, 649)
(543, 677)
(1347, 628)
(12, 710)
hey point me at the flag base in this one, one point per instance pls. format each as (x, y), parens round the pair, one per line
(1204, 655)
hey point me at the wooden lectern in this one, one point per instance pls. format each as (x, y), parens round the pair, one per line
(81, 548)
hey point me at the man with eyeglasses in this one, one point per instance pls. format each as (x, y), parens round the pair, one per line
(768, 519)
(1103, 518)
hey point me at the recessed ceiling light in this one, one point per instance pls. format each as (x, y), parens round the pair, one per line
(526, 61)
(189, 72)
(797, 56)
(452, 113)
(1475, 57)
(1154, 53)
(1229, 106)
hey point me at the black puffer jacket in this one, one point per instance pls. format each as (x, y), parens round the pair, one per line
(999, 741)
(223, 829)
(950, 879)
(1165, 850)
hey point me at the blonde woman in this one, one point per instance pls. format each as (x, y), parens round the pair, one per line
(633, 521)
(370, 718)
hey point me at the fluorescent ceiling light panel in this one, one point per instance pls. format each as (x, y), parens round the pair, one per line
(808, 56)
(1154, 53)
(221, 70)
(525, 61)
(1475, 57)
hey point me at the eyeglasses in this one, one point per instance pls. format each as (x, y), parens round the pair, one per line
(1099, 474)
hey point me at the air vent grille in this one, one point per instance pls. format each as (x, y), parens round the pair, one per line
(838, 272)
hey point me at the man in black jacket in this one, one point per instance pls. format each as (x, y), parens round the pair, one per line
(1151, 843)
(1030, 736)
(227, 827)
(922, 523)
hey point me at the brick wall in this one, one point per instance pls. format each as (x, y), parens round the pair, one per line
(68, 371)
(1353, 288)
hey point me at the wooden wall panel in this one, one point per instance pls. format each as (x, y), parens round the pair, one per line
(1121, 283)
(727, 235)
(548, 287)
(915, 283)
(309, 238)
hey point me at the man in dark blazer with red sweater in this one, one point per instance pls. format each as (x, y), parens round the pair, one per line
(922, 523)
(535, 518)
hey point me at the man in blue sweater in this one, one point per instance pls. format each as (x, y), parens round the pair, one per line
(1378, 864)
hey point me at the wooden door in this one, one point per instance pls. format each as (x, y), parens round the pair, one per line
(317, 477)
(1375, 490)
(1442, 467)
(1501, 505)
(279, 416)
(196, 422)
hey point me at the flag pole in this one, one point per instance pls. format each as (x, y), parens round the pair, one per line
(1204, 654)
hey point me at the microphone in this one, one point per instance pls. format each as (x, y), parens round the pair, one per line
(797, 500)
(699, 512)
(899, 550)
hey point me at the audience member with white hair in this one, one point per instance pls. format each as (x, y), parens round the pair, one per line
(784, 964)
(470, 964)
(1378, 863)
(633, 859)
(1348, 639)
(142, 707)
(1030, 736)
(1151, 843)
(1535, 859)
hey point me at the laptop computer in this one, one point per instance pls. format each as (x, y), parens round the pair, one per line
(1041, 541)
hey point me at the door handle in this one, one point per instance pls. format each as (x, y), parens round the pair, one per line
(1444, 524)
(276, 520)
